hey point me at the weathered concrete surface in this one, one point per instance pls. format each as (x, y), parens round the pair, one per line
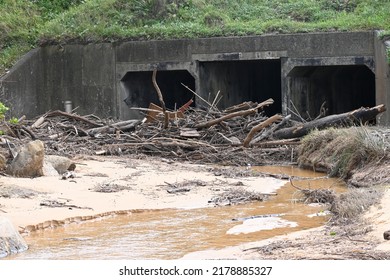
(382, 78)
(97, 78)
(11, 242)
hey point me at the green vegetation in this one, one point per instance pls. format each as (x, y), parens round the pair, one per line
(3, 111)
(25, 24)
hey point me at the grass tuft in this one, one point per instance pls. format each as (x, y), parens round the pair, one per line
(341, 151)
(349, 206)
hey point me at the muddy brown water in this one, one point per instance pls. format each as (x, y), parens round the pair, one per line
(172, 233)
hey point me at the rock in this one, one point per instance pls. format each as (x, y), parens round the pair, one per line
(386, 235)
(29, 161)
(11, 242)
(3, 162)
(60, 164)
(48, 169)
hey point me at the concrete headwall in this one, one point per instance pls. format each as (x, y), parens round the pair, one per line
(340, 70)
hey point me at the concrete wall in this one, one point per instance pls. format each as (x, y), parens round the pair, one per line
(382, 78)
(46, 77)
(97, 78)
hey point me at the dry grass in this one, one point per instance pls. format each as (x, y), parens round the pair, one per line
(349, 206)
(341, 152)
(109, 187)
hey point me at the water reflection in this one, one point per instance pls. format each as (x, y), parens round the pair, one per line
(172, 233)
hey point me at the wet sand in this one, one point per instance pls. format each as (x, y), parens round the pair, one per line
(143, 184)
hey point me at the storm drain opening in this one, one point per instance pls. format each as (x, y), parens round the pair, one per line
(337, 89)
(240, 81)
(140, 92)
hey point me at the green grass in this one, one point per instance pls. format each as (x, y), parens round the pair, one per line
(25, 24)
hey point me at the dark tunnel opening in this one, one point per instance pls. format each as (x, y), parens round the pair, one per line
(338, 89)
(140, 92)
(244, 80)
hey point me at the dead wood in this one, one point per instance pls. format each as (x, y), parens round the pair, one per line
(316, 195)
(361, 115)
(234, 196)
(259, 127)
(72, 116)
(112, 128)
(269, 132)
(55, 203)
(240, 107)
(219, 141)
(29, 132)
(235, 114)
(160, 97)
(283, 142)
(38, 122)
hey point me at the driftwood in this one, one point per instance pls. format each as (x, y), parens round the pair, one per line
(269, 132)
(235, 114)
(240, 107)
(316, 195)
(55, 203)
(361, 115)
(160, 97)
(111, 129)
(72, 116)
(259, 127)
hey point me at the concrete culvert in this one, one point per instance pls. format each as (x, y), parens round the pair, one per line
(337, 88)
(139, 90)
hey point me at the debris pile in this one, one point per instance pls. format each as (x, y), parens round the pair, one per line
(238, 135)
(234, 196)
(199, 135)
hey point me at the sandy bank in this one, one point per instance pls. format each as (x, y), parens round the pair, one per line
(127, 184)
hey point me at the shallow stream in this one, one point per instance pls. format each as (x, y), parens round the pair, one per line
(172, 233)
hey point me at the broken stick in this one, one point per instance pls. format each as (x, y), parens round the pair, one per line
(235, 114)
(72, 116)
(259, 127)
(160, 97)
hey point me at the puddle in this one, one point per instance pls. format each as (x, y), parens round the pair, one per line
(172, 233)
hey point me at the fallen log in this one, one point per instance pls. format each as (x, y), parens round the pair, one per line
(361, 115)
